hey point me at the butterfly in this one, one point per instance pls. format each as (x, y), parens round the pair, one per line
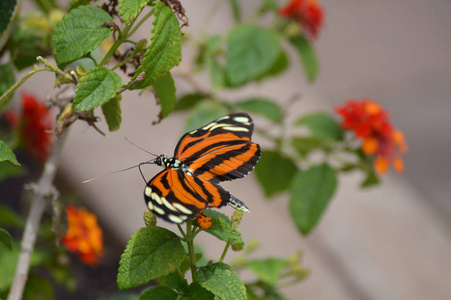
(218, 151)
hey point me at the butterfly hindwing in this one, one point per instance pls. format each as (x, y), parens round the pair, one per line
(177, 197)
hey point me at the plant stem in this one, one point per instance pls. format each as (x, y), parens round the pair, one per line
(41, 191)
(19, 83)
(190, 243)
(225, 251)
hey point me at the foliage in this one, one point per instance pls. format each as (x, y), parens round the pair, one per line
(95, 48)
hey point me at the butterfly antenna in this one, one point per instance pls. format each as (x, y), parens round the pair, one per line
(140, 148)
(139, 167)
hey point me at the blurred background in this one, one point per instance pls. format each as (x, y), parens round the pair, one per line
(389, 242)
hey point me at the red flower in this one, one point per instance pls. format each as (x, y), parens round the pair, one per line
(34, 126)
(308, 13)
(84, 236)
(204, 221)
(371, 124)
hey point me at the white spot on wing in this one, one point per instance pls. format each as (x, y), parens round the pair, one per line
(244, 120)
(158, 210)
(235, 128)
(157, 198)
(167, 204)
(175, 219)
(150, 205)
(182, 208)
(148, 191)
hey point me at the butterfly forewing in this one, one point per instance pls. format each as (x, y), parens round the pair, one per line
(176, 197)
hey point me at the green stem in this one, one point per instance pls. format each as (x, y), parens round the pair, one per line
(225, 251)
(190, 243)
(148, 15)
(19, 83)
(53, 68)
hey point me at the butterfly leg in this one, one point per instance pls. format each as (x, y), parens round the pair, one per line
(238, 204)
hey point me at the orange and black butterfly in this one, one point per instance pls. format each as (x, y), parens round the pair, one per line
(221, 150)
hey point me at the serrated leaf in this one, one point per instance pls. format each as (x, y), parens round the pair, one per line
(152, 252)
(311, 192)
(7, 79)
(6, 11)
(251, 52)
(159, 293)
(221, 229)
(79, 32)
(112, 112)
(6, 239)
(222, 281)
(262, 106)
(203, 113)
(76, 3)
(268, 270)
(308, 56)
(97, 87)
(188, 101)
(175, 281)
(164, 51)
(130, 9)
(322, 125)
(306, 144)
(215, 213)
(197, 292)
(6, 154)
(165, 92)
(275, 172)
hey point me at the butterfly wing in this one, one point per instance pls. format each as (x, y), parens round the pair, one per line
(177, 197)
(220, 150)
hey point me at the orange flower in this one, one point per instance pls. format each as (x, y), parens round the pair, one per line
(204, 221)
(84, 236)
(371, 124)
(33, 126)
(308, 13)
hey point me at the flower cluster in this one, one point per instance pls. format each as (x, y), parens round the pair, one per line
(204, 221)
(371, 124)
(34, 126)
(84, 236)
(308, 13)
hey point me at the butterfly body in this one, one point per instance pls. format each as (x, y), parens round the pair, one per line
(218, 151)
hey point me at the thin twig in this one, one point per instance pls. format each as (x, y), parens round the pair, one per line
(41, 192)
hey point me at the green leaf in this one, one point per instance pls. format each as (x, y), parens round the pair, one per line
(322, 125)
(112, 112)
(159, 293)
(165, 92)
(275, 172)
(203, 113)
(306, 144)
(37, 287)
(152, 252)
(6, 154)
(307, 54)
(262, 106)
(371, 179)
(164, 51)
(222, 281)
(97, 87)
(130, 9)
(7, 79)
(6, 11)
(221, 229)
(77, 3)
(268, 270)
(236, 10)
(311, 192)
(79, 32)
(217, 74)
(271, 4)
(6, 239)
(215, 213)
(175, 281)
(251, 52)
(9, 218)
(277, 68)
(188, 101)
(197, 292)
